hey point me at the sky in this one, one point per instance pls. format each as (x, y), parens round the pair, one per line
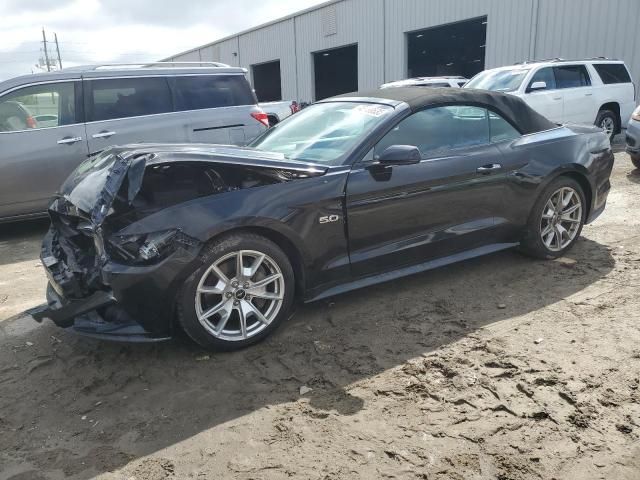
(123, 31)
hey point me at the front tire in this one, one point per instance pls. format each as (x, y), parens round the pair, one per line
(241, 290)
(635, 159)
(556, 220)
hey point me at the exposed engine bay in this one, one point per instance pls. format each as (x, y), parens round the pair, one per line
(167, 184)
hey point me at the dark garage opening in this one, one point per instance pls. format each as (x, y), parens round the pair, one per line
(266, 81)
(454, 49)
(336, 71)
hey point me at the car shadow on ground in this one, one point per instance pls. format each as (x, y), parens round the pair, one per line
(95, 406)
(634, 175)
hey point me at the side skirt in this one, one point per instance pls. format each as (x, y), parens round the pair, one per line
(411, 270)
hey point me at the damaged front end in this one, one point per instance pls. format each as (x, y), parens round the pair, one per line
(104, 280)
(88, 292)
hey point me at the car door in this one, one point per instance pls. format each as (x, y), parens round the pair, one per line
(130, 110)
(445, 204)
(575, 84)
(513, 197)
(548, 101)
(42, 139)
(217, 108)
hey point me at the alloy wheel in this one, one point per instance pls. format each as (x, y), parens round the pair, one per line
(239, 295)
(608, 124)
(561, 219)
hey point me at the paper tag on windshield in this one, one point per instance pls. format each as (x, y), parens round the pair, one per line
(372, 110)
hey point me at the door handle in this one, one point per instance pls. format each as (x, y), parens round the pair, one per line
(557, 98)
(486, 169)
(103, 135)
(69, 140)
(588, 94)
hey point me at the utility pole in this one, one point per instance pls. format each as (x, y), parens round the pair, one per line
(55, 35)
(46, 54)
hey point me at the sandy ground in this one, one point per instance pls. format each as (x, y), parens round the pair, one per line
(498, 368)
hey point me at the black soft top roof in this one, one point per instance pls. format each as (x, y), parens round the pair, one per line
(510, 107)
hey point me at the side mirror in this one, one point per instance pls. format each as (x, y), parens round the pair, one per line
(400, 155)
(535, 86)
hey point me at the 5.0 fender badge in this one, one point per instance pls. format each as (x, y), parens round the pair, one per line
(329, 219)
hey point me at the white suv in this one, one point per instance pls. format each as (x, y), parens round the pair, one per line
(452, 82)
(596, 91)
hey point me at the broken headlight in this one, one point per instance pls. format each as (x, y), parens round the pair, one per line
(144, 248)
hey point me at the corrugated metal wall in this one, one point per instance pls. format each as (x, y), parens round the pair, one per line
(517, 30)
(274, 42)
(590, 28)
(357, 21)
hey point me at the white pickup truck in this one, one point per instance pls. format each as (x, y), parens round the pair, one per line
(596, 91)
(278, 111)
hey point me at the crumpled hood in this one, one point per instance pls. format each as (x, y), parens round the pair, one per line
(93, 186)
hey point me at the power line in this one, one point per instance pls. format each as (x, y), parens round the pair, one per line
(29, 52)
(46, 55)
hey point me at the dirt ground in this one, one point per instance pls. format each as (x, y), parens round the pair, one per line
(501, 368)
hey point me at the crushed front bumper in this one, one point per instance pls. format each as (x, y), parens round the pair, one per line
(113, 301)
(97, 316)
(63, 313)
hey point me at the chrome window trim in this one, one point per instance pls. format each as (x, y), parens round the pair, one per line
(543, 131)
(166, 113)
(127, 118)
(30, 130)
(33, 84)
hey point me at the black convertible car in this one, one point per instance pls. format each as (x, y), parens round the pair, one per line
(352, 191)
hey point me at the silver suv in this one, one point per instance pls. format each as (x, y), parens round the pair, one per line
(50, 122)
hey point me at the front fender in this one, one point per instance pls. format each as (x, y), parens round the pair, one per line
(291, 209)
(278, 228)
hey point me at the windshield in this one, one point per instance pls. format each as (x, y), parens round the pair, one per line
(324, 132)
(498, 80)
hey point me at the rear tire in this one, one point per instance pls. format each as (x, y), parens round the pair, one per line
(556, 220)
(635, 159)
(609, 122)
(241, 290)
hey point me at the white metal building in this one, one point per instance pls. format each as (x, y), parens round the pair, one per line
(345, 45)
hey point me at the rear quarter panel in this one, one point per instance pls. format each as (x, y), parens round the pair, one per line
(533, 161)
